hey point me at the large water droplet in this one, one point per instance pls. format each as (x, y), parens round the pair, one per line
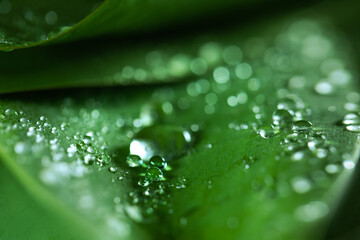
(134, 160)
(158, 161)
(301, 126)
(163, 140)
(154, 174)
(282, 118)
(353, 128)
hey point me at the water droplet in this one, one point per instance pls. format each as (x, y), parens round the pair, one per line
(104, 158)
(143, 182)
(179, 65)
(20, 148)
(211, 52)
(162, 140)
(243, 71)
(353, 128)
(297, 156)
(154, 174)
(133, 161)
(158, 161)
(324, 88)
(221, 75)
(11, 114)
(88, 159)
(301, 184)
(51, 18)
(282, 118)
(351, 119)
(301, 126)
(267, 132)
(232, 55)
(198, 66)
(71, 150)
(311, 211)
(332, 168)
(348, 164)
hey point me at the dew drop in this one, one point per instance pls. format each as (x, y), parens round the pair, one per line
(211, 52)
(301, 126)
(154, 174)
(353, 128)
(158, 161)
(311, 211)
(282, 118)
(20, 147)
(163, 140)
(143, 182)
(324, 88)
(243, 71)
(267, 132)
(351, 119)
(10, 113)
(301, 184)
(133, 160)
(221, 75)
(348, 164)
(51, 18)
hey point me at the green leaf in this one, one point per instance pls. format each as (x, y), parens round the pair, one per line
(233, 176)
(28, 23)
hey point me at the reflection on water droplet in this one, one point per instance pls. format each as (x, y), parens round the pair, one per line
(163, 140)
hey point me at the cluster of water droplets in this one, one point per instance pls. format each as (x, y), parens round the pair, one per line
(233, 88)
